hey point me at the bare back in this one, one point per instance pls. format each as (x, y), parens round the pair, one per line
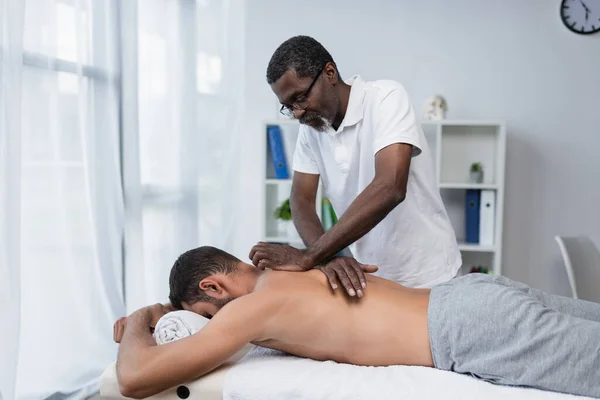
(387, 326)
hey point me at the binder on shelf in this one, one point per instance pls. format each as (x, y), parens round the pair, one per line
(333, 215)
(487, 218)
(277, 152)
(472, 200)
(327, 220)
(329, 217)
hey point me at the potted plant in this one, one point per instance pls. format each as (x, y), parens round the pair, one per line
(476, 172)
(284, 213)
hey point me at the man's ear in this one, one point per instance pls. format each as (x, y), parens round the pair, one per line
(331, 73)
(212, 286)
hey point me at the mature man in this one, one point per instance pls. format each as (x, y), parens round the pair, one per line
(364, 141)
(487, 326)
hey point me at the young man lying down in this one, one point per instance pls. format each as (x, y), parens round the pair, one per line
(487, 326)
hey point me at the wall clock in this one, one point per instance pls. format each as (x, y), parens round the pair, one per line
(581, 16)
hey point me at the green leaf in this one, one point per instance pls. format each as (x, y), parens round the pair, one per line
(283, 212)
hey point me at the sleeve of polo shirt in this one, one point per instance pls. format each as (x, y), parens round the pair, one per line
(304, 160)
(395, 122)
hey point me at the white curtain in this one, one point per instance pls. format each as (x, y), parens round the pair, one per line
(62, 206)
(181, 159)
(96, 96)
(11, 62)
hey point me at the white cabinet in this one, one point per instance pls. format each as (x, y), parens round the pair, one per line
(456, 145)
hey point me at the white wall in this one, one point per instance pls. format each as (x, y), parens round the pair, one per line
(508, 59)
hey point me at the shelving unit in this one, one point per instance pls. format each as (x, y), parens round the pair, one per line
(455, 145)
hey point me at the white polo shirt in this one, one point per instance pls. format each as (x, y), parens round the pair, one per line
(415, 244)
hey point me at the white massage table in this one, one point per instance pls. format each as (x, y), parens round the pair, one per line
(262, 377)
(208, 387)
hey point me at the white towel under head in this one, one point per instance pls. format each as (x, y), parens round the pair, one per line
(177, 325)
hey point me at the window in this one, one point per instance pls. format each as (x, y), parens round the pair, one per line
(166, 99)
(70, 111)
(183, 130)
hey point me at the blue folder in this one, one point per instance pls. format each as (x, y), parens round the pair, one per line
(277, 152)
(472, 201)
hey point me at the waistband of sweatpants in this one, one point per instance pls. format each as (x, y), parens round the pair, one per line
(439, 325)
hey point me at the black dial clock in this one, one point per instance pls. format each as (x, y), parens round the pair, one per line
(581, 16)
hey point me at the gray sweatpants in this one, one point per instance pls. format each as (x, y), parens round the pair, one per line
(508, 333)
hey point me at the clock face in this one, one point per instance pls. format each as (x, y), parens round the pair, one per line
(581, 16)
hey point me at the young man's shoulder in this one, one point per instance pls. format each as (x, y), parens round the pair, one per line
(267, 292)
(284, 288)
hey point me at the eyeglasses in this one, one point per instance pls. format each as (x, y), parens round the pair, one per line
(301, 101)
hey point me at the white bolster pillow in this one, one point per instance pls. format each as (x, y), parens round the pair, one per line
(179, 324)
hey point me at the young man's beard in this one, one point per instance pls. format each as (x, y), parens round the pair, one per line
(315, 121)
(220, 303)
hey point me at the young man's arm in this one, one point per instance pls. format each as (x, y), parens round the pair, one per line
(144, 368)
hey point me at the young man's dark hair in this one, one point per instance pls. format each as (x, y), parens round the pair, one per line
(191, 268)
(301, 53)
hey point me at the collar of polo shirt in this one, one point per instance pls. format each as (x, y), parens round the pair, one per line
(354, 111)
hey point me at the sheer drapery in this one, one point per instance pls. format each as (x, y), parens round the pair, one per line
(183, 171)
(65, 207)
(11, 64)
(79, 78)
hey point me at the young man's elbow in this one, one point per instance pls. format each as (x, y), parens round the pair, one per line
(132, 393)
(129, 386)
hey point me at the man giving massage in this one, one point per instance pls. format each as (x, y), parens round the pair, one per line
(486, 326)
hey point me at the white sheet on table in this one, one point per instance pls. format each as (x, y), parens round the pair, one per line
(265, 374)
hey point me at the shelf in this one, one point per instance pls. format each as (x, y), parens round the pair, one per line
(468, 186)
(465, 122)
(278, 181)
(476, 248)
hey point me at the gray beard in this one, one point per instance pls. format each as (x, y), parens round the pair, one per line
(323, 125)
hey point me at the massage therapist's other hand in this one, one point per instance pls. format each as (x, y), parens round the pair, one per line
(277, 256)
(349, 273)
(156, 312)
(151, 314)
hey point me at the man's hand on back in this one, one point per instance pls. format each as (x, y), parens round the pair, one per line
(349, 272)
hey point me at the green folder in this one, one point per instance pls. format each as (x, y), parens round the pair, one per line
(328, 214)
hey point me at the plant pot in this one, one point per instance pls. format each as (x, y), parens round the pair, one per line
(476, 176)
